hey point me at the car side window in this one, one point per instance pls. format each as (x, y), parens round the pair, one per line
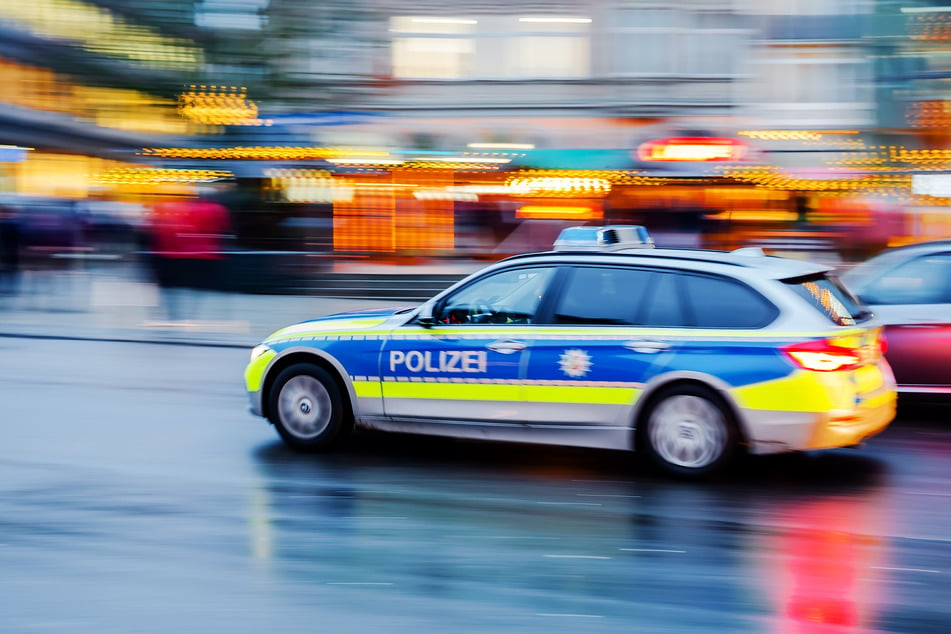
(602, 295)
(717, 302)
(506, 297)
(924, 280)
(664, 305)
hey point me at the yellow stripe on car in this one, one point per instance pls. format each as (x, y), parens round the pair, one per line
(581, 394)
(367, 389)
(795, 393)
(452, 391)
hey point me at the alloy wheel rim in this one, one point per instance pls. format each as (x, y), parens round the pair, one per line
(688, 431)
(305, 407)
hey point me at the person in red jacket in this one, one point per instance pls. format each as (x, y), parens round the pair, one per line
(188, 241)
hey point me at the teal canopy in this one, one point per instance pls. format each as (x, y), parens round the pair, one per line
(576, 159)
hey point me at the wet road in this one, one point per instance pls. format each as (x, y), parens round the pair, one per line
(138, 495)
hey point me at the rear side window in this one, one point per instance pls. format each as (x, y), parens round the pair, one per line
(604, 295)
(661, 299)
(717, 302)
(831, 298)
(665, 306)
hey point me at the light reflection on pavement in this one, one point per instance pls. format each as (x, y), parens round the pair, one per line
(138, 495)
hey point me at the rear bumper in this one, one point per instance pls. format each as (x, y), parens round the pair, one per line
(772, 431)
(817, 410)
(842, 429)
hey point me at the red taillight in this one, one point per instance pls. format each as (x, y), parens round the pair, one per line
(882, 343)
(822, 356)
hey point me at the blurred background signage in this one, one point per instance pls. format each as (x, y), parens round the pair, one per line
(937, 185)
(692, 149)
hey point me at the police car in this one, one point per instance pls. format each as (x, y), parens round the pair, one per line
(689, 356)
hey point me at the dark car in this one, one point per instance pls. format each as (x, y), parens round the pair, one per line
(909, 289)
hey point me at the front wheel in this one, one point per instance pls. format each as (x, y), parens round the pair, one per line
(688, 431)
(307, 409)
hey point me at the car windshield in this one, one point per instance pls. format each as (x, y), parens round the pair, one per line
(831, 297)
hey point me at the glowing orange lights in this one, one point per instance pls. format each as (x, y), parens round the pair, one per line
(561, 186)
(833, 181)
(307, 186)
(383, 214)
(692, 149)
(368, 159)
(793, 135)
(935, 113)
(150, 175)
(546, 212)
(218, 105)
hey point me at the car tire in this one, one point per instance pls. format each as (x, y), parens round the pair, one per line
(688, 430)
(307, 408)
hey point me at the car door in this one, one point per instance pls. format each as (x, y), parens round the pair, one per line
(641, 322)
(466, 365)
(590, 364)
(913, 299)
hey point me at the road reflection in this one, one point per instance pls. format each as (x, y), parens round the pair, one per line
(794, 545)
(825, 567)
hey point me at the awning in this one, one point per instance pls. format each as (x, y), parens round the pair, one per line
(576, 160)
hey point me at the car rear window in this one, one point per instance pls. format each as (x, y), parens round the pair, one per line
(827, 294)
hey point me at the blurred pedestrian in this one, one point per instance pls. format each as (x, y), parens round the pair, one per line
(51, 247)
(187, 246)
(211, 223)
(10, 239)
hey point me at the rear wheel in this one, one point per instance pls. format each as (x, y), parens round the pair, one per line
(688, 430)
(307, 409)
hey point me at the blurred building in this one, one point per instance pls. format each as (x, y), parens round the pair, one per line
(573, 74)
(360, 105)
(809, 67)
(910, 46)
(378, 126)
(84, 86)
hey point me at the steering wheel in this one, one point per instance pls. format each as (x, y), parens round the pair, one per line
(481, 313)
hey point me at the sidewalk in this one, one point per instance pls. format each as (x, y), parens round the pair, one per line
(120, 303)
(121, 306)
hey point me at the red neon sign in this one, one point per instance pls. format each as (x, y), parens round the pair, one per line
(687, 148)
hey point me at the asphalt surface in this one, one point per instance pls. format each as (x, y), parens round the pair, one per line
(137, 494)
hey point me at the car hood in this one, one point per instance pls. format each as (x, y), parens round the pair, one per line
(348, 322)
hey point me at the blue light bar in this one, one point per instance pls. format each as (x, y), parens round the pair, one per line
(609, 238)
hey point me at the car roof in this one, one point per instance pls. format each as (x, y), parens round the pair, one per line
(869, 269)
(751, 259)
(931, 245)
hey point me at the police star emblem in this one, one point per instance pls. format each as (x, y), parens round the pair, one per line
(575, 363)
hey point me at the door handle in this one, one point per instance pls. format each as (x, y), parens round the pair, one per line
(507, 346)
(646, 346)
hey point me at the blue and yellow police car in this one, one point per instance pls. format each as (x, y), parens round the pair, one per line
(689, 356)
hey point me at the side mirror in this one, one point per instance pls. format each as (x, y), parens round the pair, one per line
(425, 316)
